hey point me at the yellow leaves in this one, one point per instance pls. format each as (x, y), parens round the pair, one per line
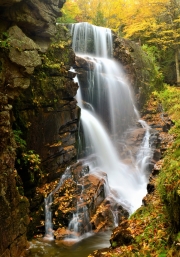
(155, 21)
(162, 30)
(42, 222)
(141, 16)
(70, 11)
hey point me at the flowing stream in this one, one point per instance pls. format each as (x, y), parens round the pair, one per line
(108, 113)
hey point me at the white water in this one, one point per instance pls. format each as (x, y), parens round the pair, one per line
(127, 182)
(114, 112)
(107, 111)
(109, 94)
(49, 233)
(80, 223)
(91, 39)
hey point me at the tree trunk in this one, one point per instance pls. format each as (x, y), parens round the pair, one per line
(177, 66)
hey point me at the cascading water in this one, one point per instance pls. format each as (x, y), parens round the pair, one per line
(80, 218)
(91, 39)
(49, 235)
(113, 113)
(107, 113)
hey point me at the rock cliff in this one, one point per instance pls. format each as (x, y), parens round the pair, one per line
(140, 70)
(38, 114)
(39, 117)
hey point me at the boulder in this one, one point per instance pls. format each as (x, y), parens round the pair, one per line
(34, 17)
(23, 51)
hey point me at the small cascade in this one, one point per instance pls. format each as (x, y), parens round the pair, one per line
(145, 151)
(48, 218)
(80, 223)
(48, 202)
(116, 218)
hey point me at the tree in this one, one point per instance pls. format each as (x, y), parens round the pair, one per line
(84, 6)
(170, 35)
(155, 22)
(102, 13)
(70, 12)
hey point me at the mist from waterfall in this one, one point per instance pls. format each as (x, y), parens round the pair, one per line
(113, 112)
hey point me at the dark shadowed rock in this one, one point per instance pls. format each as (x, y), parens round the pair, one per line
(22, 21)
(121, 235)
(35, 17)
(8, 2)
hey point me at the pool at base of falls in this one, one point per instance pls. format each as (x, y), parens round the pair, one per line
(67, 248)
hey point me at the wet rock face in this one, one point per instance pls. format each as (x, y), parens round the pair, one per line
(14, 209)
(80, 205)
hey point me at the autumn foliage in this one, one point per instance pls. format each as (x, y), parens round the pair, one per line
(152, 22)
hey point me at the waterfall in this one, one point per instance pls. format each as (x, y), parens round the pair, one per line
(114, 113)
(107, 113)
(91, 39)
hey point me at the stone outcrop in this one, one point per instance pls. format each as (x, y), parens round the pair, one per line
(36, 100)
(14, 217)
(34, 17)
(48, 117)
(140, 70)
(79, 204)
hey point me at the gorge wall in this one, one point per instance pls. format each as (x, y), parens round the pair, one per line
(38, 113)
(37, 104)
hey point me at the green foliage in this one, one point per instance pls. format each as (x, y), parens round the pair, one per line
(31, 160)
(114, 244)
(27, 158)
(153, 54)
(99, 19)
(169, 178)
(70, 12)
(4, 40)
(18, 138)
(27, 162)
(162, 255)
